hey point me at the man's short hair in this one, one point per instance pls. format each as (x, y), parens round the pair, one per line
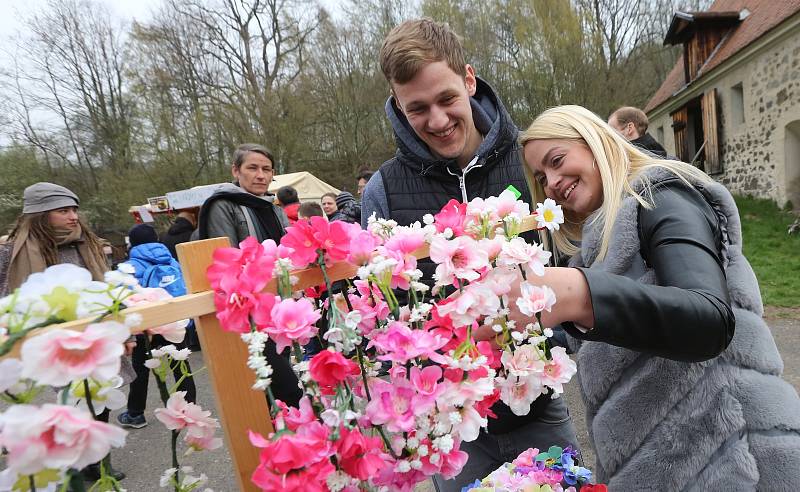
(414, 44)
(241, 153)
(365, 175)
(310, 209)
(629, 114)
(287, 195)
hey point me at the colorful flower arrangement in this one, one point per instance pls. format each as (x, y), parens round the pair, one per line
(532, 471)
(402, 378)
(49, 444)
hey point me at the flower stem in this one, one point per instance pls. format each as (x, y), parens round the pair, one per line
(32, 481)
(175, 464)
(88, 396)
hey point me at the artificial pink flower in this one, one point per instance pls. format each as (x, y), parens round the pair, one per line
(452, 462)
(362, 246)
(294, 451)
(301, 240)
(360, 457)
(472, 303)
(426, 382)
(55, 436)
(459, 258)
(173, 332)
(329, 368)
(247, 268)
(292, 321)
(293, 418)
(399, 343)
(559, 370)
(453, 216)
(309, 479)
(370, 312)
(405, 241)
(333, 237)
(518, 393)
(205, 442)
(262, 310)
(180, 414)
(534, 299)
(234, 309)
(524, 361)
(518, 252)
(58, 357)
(394, 405)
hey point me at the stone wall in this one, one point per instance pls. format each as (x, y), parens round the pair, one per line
(754, 152)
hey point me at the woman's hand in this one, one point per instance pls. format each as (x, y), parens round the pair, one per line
(129, 346)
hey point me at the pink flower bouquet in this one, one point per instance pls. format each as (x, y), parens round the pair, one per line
(401, 380)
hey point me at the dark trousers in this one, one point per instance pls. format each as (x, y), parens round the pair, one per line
(137, 397)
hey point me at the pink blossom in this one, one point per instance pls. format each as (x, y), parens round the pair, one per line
(534, 299)
(459, 258)
(527, 457)
(300, 238)
(469, 427)
(393, 405)
(406, 241)
(362, 246)
(247, 268)
(55, 436)
(526, 360)
(180, 414)
(292, 417)
(204, 442)
(333, 237)
(370, 312)
(360, 457)
(518, 393)
(309, 479)
(234, 309)
(452, 462)
(472, 303)
(559, 370)
(518, 252)
(58, 357)
(292, 321)
(173, 332)
(426, 382)
(399, 343)
(453, 216)
(404, 265)
(506, 203)
(329, 368)
(262, 309)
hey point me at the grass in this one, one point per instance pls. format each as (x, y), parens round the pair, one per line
(774, 254)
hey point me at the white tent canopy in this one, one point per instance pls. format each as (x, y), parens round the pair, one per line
(309, 187)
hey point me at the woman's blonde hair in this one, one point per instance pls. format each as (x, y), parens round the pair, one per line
(620, 163)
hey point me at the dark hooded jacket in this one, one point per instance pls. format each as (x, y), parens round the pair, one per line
(179, 232)
(648, 143)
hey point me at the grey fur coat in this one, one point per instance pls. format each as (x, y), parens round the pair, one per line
(726, 424)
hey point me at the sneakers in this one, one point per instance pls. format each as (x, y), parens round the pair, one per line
(125, 419)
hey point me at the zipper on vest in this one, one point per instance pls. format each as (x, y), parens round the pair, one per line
(473, 164)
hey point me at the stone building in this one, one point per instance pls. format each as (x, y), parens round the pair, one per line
(731, 104)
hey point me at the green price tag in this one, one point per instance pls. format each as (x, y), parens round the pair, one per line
(515, 191)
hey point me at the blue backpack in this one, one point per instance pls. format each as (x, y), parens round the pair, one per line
(168, 277)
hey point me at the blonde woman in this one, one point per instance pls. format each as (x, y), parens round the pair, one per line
(679, 373)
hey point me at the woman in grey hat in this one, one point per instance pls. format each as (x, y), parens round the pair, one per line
(50, 232)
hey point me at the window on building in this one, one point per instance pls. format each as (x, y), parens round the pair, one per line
(660, 134)
(737, 104)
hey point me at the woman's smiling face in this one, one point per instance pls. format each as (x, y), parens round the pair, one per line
(567, 172)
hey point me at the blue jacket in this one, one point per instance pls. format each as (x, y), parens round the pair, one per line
(155, 267)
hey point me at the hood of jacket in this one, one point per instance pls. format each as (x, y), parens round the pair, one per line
(180, 226)
(490, 118)
(152, 253)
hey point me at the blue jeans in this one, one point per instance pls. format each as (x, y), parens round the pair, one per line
(552, 427)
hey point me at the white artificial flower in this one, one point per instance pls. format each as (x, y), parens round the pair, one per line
(549, 214)
(133, 320)
(152, 363)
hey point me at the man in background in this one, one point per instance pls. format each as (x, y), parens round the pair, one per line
(287, 198)
(632, 124)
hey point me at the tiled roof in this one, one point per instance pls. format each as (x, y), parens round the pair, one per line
(764, 15)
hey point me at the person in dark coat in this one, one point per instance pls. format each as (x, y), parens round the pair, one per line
(180, 231)
(632, 123)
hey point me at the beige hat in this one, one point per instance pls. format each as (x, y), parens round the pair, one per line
(43, 197)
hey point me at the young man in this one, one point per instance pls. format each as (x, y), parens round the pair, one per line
(632, 124)
(455, 140)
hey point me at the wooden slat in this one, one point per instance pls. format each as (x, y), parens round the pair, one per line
(711, 132)
(680, 121)
(240, 407)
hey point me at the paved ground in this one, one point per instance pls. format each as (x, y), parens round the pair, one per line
(147, 453)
